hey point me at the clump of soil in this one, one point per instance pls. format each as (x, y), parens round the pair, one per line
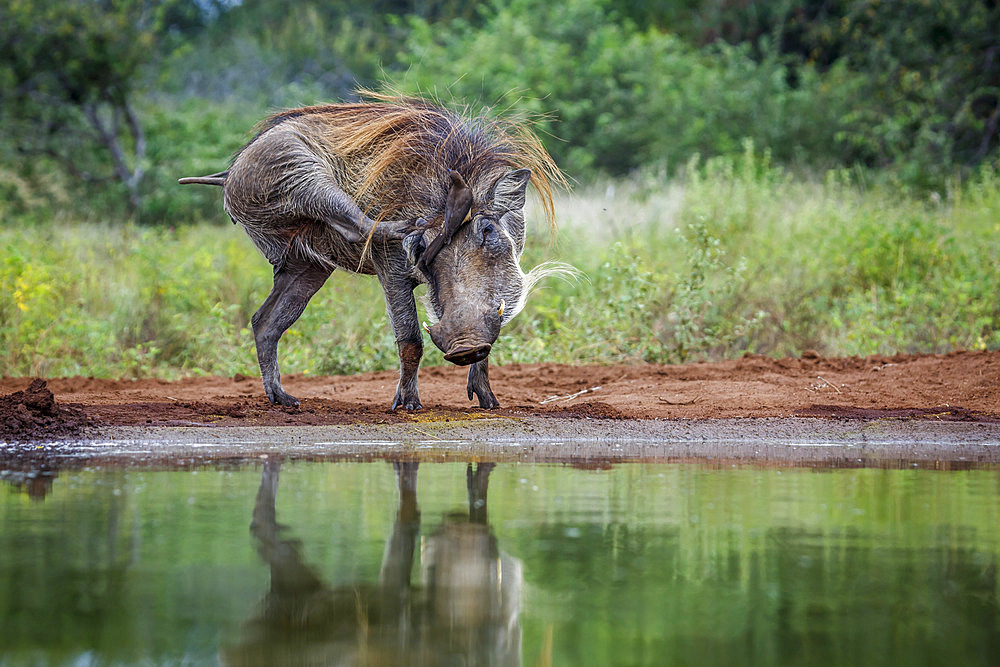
(32, 415)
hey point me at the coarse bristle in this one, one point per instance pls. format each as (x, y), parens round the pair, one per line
(396, 151)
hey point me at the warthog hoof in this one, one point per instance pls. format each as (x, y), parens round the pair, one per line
(407, 403)
(280, 397)
(485, 395)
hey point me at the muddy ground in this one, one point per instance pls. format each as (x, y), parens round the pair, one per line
(960, 386)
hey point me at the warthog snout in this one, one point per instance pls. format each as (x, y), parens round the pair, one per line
(464, 342)
(464, 356)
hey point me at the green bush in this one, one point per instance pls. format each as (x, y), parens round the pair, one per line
(191, 137)
(613, 97)
(615, 88)
(737, 256)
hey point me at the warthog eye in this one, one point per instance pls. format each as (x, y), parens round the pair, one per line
(488, 231)
(486, 228)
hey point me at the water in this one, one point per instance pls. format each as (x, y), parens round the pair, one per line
(360, 563)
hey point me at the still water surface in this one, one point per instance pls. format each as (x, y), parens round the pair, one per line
(381, 563)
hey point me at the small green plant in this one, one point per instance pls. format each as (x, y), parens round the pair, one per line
(699, 318)
(629, 293)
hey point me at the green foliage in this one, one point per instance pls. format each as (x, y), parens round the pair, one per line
(617, 97)
(928, 97)
(615, 86)
(74, 52)
(696, 324)
(628, 312)
(933, 88)
(607, 315)
(122, 301)
(931, 92)
(857, 270)
(742, 257)
(272, 53)
(69, 71)
(212, 133)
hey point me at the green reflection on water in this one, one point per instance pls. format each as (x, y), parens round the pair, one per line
(639, 564)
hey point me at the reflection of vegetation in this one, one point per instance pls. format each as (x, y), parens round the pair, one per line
(621, 566)
(674, 272)
(770, 567)
(86, 569)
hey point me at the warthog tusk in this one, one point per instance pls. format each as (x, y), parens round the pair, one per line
(503, 304)
(426, 328)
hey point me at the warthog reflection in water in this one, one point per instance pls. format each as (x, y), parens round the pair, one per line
(464, 610)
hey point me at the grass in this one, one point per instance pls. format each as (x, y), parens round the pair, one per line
(736, 255)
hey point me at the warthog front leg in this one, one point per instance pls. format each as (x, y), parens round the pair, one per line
(293, 287)
(407, 395)
(479, 384)
(402, 309)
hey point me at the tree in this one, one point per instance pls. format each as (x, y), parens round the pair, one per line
(934, 74)
(68, 77)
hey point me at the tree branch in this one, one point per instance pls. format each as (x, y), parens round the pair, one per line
(128, 177)
(991, 130)
(135, 127)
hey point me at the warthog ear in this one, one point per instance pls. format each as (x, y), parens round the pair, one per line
(510, 191)
(508, 199)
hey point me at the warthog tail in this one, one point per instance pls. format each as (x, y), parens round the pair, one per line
(214, 179)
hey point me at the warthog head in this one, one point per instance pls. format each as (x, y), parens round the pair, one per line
(470, 264)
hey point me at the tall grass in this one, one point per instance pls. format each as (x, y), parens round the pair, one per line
(736, 255)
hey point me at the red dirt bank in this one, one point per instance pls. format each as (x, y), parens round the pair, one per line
(955, 386)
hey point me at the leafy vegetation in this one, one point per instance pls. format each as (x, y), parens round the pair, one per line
(613, 97)
(767, 177)
(737, 256)
(910, 88)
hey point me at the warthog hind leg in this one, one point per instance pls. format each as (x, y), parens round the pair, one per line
(293, 287)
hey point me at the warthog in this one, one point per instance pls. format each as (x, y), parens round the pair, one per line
(462, 607)
(406, 191)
